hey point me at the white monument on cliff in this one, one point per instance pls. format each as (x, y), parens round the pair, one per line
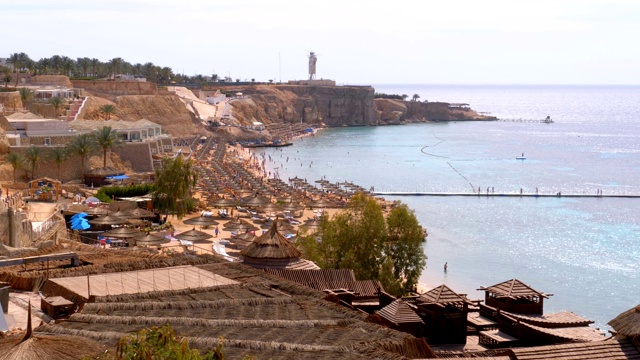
(313, 81)
(312, 65)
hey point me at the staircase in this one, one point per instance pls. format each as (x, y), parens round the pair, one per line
(76, 108)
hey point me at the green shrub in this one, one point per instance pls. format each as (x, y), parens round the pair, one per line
(107, 193)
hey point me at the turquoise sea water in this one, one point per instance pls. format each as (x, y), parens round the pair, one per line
(584, 251)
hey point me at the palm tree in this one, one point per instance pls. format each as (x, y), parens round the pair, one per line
(56, 63)
(6, 75)
(107, 139)
(114, 66)
(57, 102)
(404, 96)
(33, 156)
(415, 97)
(95, 64)
(14, 59)
(58, 155)
(166, 74)
(107, 110)
(82, 145)
(26, 95)
(16, 161)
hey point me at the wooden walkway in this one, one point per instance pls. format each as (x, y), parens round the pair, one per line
(534, 195)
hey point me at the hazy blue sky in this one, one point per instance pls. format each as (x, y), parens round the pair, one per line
(358, 42)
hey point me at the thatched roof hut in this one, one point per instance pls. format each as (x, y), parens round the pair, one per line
(261, 315)
(627, 324)
(273, 250)
(400, 316)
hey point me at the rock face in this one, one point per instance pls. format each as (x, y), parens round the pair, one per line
(11, 100)
(329, 105)
(166, 110)
(55, 80)
(392, 112)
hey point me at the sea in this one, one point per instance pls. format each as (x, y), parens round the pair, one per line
(584, 251)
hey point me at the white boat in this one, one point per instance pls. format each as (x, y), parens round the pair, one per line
(520, 157)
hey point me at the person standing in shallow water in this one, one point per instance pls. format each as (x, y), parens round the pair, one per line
(446, 266)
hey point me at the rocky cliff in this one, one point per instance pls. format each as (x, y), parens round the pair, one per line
(11, 100)
(332, 106)
(393, 112)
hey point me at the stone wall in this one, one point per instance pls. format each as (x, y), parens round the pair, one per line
(112, 89)
(138, 154)
(70, 169)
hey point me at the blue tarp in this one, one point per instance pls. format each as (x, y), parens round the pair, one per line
(118, 177)
(80, 225)
(79, 215)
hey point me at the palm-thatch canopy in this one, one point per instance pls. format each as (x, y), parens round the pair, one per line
(271, 245)
(201, 221)
(193, 235)
(255, 201)
(151, 240)
(628, 323)
(140, 213)
(108, 220)
(223, 202)
(239, 226)
(122, 233)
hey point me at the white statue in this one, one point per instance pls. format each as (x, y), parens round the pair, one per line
(312, 65)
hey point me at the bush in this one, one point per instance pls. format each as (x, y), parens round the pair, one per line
(105, 194)
(8, 89)
(388, 96)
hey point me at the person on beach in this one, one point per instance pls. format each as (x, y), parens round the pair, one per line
(216, 231)
(446, 266)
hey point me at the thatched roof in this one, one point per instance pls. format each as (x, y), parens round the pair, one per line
(104, 171)
(262, 315)
(49, 347)
(513, 288)
(399, 312)
(442, 295)
(271, 245)
(627, 323)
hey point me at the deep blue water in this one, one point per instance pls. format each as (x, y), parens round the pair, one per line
(584, 251)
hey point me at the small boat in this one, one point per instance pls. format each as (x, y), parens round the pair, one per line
(547, 120)
(520, 157)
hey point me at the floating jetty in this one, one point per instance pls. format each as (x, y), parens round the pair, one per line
(534, 195)
(542, 121)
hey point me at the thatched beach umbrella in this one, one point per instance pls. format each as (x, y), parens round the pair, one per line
(241, 227)
(150, 240)
(201, 221)
(322, 203)
(122, 233)
(95, 211)
(140, 213)
(255, 201)
(108, 220)
(271, 208)
(224, 202)
(193, 235)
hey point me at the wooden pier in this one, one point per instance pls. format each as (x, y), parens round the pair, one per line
(512, 195)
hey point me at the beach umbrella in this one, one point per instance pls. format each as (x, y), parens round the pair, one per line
(241, 226)
(79, 215)
(80, 225)
(271, 208)
(120, 214)
(201, 221)
(255, 201)
(312, 225)
(108, 220)
(223, 202)
(95, 211)
(292, 206)
(193, 235)
(282, 226)
(140, 213)
(322, 203)
(151, 240)
(122, 233)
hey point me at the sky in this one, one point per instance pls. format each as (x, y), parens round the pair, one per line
(358, 42)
